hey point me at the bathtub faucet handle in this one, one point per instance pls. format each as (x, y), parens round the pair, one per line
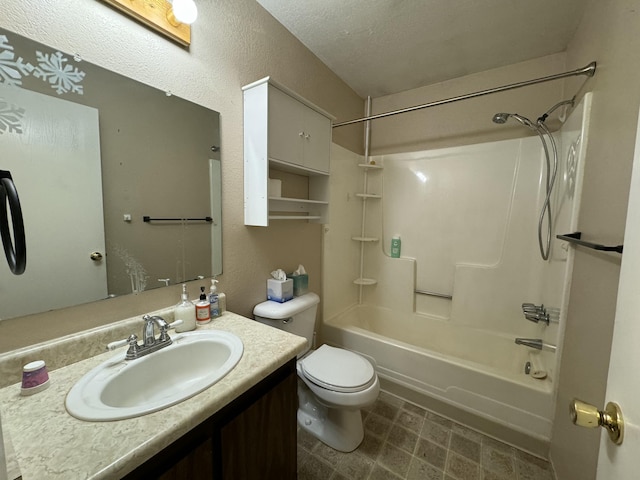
(535, 313)
(537, 317)
(533, 308)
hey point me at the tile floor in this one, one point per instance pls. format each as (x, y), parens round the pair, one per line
(404, 441)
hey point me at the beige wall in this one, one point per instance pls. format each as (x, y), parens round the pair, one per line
(608, 34)
(234, 43)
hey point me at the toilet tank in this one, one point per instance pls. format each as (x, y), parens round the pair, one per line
(297, 316)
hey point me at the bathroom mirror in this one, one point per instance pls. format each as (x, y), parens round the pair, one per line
(119, 182)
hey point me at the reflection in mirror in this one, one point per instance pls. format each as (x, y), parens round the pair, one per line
(92, 153)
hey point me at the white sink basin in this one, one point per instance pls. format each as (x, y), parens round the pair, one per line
(119, 388)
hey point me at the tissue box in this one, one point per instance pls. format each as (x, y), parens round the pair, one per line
(279, 290)
(300, 284)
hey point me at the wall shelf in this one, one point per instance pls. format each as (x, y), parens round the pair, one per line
(365, 281)
(368, 195)
(369, 166)
(365, 239)
(294, 217)
(286, 200)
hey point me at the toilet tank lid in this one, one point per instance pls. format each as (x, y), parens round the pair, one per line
(278, 311)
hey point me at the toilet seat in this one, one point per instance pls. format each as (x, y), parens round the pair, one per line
(338, 370)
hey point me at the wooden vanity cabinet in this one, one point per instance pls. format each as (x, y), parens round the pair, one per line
(253, 437)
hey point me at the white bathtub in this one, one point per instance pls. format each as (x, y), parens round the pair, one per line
(474, 370)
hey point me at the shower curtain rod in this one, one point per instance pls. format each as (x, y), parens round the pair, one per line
(589, 71)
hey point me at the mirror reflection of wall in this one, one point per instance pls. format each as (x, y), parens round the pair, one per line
(159, 157)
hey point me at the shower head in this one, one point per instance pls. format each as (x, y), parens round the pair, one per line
(501, 118)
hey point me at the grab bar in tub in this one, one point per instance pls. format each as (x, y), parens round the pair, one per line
(434, 294)
(536, 343)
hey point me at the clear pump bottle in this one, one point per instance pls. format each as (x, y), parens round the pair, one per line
(185, 311)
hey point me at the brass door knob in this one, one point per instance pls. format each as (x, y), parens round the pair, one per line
(586, 415)
(96, 256)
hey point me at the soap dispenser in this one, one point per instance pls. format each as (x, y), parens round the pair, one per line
(203, 312)
(185, 311)
(214, 304)
(222, 302)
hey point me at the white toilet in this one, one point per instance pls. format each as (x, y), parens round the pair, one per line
(336, 383)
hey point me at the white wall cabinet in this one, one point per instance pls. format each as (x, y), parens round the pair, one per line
(283, 131)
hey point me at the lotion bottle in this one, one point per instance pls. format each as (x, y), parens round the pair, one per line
(214, 305)
(185, 311)
(203, 313)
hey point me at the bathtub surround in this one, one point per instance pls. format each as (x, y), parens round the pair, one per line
(468, 217)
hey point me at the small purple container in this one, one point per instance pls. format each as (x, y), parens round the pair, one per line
(34, 377)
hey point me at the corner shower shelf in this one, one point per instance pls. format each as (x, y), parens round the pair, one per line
(575, 238)
(370, 166)
(365, 281)
(365, 239)
(368, 195)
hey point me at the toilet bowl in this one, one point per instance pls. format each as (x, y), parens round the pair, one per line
(333, 383)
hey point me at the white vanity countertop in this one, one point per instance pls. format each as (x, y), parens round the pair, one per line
(51, 444)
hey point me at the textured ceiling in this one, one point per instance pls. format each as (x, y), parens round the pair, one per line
(380, 47)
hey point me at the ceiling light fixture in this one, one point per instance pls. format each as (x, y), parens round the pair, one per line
(183, 11)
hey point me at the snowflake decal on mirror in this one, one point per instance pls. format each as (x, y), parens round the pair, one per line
(12, 69)
(53, 68)
(10, 117)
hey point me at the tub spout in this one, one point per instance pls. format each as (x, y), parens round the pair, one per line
(536, 343)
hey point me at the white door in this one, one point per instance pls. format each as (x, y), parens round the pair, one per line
(623, 387)
(55, 164)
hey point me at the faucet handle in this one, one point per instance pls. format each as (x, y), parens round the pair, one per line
(174, 324)
(121, 343)
(164, 336)
(532, 308)
(117, 344)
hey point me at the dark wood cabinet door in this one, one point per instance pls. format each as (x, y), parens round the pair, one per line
(260, 443)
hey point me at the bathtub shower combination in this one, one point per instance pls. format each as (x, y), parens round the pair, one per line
(443, 319)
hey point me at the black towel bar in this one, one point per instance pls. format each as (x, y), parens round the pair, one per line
(575, 238)
(147, 219)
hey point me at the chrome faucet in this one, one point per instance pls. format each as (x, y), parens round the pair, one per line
(536, 343)
(150, 343)
(149, 334)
